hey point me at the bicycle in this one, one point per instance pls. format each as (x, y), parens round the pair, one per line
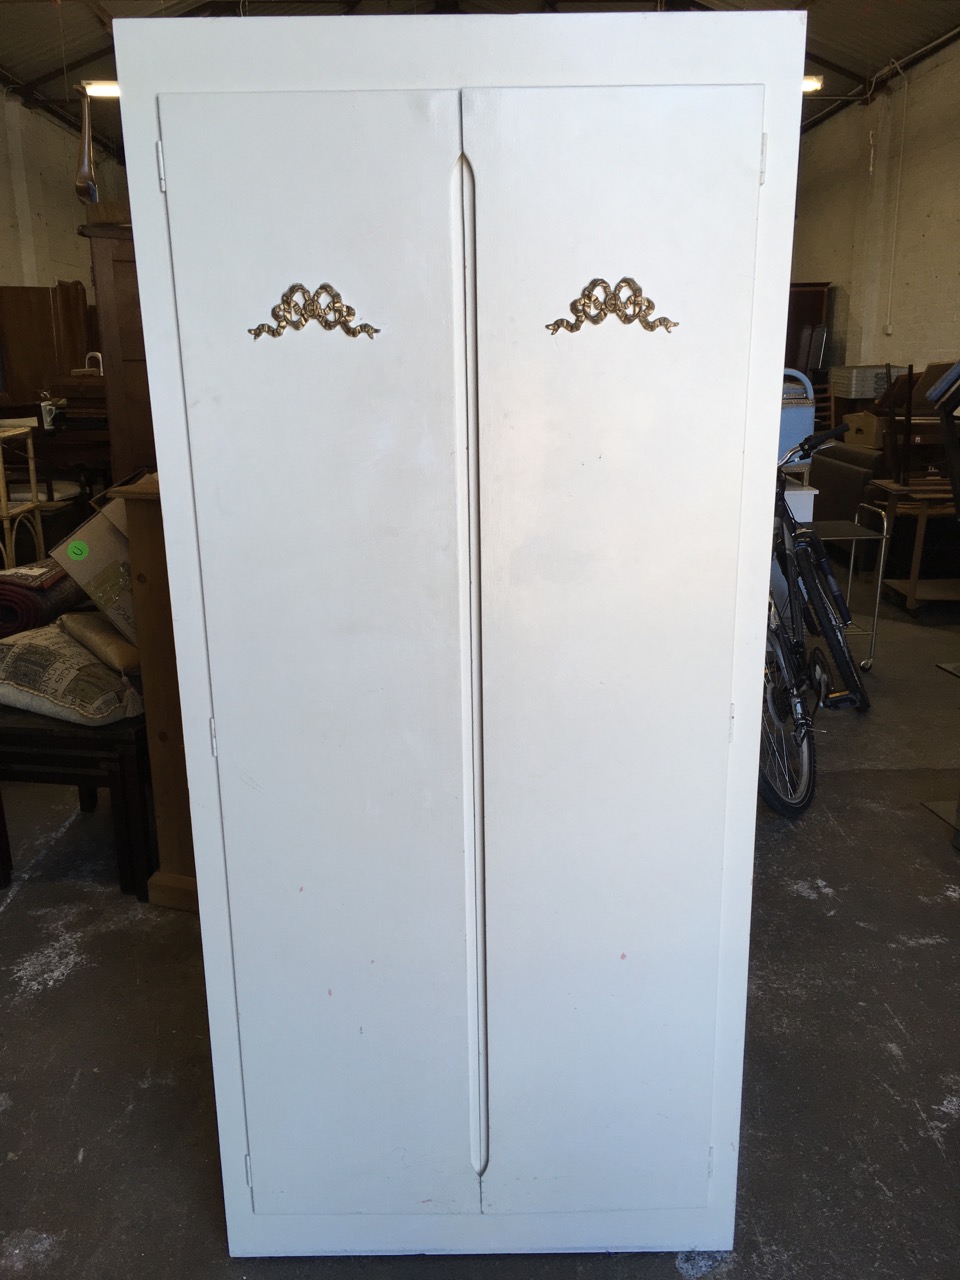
(805, 599)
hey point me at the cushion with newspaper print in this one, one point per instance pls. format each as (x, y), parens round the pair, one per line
(46, 671)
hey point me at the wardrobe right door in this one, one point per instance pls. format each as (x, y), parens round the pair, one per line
(615, 233)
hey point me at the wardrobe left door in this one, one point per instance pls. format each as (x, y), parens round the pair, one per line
(330, 482)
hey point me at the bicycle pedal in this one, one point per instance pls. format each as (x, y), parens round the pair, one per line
(841, 698)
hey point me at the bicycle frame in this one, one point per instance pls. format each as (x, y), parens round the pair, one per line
(790, 626)
(792, 543)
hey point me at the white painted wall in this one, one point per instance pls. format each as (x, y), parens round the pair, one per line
(849, 229)
(39, 211)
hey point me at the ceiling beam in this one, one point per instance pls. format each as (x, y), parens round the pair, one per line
(213, 9)
(101, 13)
(883, 77)
(708, 5)
(57, 113)
(77, 64)
(856, 76)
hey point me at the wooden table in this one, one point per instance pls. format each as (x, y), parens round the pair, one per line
(921, 498)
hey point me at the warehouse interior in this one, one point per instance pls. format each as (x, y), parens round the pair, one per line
(850, 1147)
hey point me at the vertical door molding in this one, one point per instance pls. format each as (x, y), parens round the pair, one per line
(475, 870)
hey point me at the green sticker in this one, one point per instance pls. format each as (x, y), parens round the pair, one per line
(78, 550)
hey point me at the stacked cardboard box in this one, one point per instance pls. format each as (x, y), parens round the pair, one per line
(97, 557)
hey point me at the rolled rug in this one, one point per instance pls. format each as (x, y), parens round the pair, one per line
(35, 595)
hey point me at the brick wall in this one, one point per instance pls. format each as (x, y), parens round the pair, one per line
(895, 265)
(39, 210)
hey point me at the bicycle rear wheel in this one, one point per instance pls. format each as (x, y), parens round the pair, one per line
(787, 761)
(831, 630)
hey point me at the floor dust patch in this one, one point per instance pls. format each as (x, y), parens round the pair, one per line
(69, 928)
(49, 965)
(693, 1264)
(811, 889)
(21, 1251)
(935, 940)
(150, 1080)
(39, 848)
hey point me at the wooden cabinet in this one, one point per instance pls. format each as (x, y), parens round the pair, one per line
(472, 740)
(121, 338)
(808, 343)
(43, 335)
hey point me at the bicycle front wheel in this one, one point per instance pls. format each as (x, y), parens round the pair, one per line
(787, 761)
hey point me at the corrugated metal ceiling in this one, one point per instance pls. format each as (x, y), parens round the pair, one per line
(864, 36)
(47, 46)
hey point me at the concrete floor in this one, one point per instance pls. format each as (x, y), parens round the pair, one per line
(851, 1130)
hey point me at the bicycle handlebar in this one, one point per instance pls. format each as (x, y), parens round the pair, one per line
(812, 443)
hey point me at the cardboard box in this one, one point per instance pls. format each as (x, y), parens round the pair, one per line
(96, 556)
(866, 429)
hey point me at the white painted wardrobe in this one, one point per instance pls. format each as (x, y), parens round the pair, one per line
(469, 605)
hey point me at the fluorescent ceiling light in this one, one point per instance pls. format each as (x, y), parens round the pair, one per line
(100, 88)
(812, 84)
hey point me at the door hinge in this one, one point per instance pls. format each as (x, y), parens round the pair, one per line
(213, 736)
(763, 159)
(160, 171)
(249, 1172)
(733, 716)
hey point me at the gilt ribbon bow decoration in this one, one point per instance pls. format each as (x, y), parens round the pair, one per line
(298, 305)
(626, 301)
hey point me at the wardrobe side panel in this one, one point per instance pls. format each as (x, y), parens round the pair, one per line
(610, 491)
(328, 479)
